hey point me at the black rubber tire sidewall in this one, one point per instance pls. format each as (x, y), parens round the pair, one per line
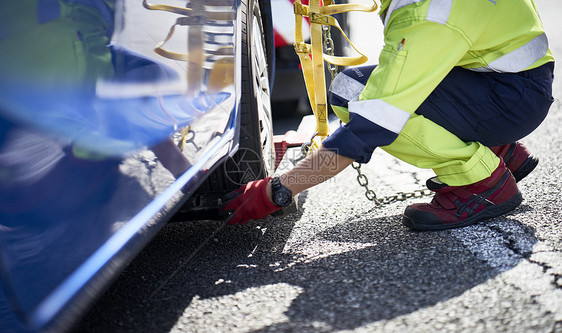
(249, 162)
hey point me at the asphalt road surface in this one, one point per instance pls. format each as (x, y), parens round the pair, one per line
(342, 264)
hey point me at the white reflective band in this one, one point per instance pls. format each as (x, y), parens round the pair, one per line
(397, 4)
(439, 11)
(346, 87)
(518, 60)
(381, 113)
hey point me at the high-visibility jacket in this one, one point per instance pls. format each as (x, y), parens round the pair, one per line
(424, 40)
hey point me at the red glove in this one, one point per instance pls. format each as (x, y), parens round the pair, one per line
(249, 202)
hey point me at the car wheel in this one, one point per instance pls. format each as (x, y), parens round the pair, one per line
(255, 157)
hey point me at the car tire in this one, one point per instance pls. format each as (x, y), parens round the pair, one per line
(255, 157)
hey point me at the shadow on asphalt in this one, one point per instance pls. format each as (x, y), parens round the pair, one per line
(396, 272)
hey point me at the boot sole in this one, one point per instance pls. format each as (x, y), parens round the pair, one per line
(529, 165)
(488, 213)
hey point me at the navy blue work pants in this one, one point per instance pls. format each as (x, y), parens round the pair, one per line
(491, 108)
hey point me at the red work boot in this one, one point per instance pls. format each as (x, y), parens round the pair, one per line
(459, 206)
(517, 158)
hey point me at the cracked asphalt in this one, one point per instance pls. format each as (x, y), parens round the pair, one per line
(340, 264)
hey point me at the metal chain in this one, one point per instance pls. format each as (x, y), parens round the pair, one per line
(329, 49)
(399, 196)
(361, 177)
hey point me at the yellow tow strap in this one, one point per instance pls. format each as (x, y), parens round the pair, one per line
(312, 55)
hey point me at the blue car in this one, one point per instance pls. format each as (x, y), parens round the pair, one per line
(117, 116)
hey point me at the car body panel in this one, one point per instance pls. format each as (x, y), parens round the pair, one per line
(104, 133)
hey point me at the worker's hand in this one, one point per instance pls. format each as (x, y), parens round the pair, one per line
(249, 202)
